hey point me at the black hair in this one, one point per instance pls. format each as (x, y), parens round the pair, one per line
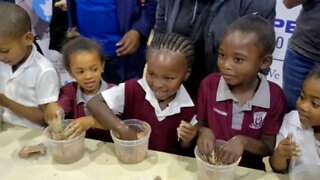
(315, 72)
(14, 20)
(175, 43)
(80, 44)
(261, 27)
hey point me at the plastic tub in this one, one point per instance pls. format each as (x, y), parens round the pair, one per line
(66, 151)
(208, 171)
(131, 152)
(305, 172)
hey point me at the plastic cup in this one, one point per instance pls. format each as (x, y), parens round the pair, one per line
(134, 151)
(66, 151)
(208, 171)
(305, 172)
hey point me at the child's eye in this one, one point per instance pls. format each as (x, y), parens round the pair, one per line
(220, 55)
(151, 74)
(315, 104)
(80, 72)
(301, 96)
(4, 51)
(168, 78)
(238, 60)
(94, 69)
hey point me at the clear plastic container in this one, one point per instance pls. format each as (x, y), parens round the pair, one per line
(66, 151)
(131, 152)
(206, 171)
(305, 172)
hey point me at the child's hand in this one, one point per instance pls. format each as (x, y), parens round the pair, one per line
(206, 141)
(62, 4)
(129, 43)
(186, 131)
(231, 151)
(3, 100)
(51, 111)
(124, 132)
(78, 126)
(288, 149)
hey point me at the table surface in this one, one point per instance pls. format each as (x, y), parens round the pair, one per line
(99, 162)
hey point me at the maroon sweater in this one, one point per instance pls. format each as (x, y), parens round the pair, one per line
(164, 133)
(68, 102)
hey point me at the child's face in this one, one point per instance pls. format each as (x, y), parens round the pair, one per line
(14, 50)
(240, 58)
(86, 68)
(166, 71)
(308, 104)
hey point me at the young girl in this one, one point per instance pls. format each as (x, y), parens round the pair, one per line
(298, 141)
(159, 99)
(84, 60)
(239, 105)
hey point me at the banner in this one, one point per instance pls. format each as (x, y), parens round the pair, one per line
(284, 25)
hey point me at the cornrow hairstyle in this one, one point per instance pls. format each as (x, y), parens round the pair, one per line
(262, 28)
(315, 72)
(80, 44)
(175, 43)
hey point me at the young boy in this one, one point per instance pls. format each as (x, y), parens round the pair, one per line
(159, 99)
(28, 81)
(239, 105)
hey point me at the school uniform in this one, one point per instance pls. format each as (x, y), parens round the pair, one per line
(73, 101)
(34, 83)
(303, 136)
(135, 100)
(221, 111)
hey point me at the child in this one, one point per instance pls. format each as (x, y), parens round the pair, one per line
(298, 141)
(28, 81)
(239, 105)
(84, 60)
(159, 99)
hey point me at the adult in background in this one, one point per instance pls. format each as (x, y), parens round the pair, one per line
(121, 27)
(303, 51)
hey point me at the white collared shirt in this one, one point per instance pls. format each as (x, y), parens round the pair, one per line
(34, 83)
(303, 136)
(114, 97)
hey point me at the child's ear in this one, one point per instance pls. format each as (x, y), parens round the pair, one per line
(28, 39)
(266, 62)
(187, 75)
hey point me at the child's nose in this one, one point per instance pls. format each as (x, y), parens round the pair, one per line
(88, 75)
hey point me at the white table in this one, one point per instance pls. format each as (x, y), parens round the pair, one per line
(99, 162)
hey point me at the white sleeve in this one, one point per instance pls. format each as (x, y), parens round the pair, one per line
(283, 132)
(114, 97)
(48, 87)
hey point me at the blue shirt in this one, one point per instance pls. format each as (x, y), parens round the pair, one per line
(98, 20)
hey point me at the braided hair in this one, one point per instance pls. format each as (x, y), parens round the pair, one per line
(175, 43)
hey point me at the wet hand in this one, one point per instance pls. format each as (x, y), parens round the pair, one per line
(52, 111)
(124, 132)
(129, 43)
(78, 126)
(186, 131)
(206, 141)
(288, 149)
(231, 151)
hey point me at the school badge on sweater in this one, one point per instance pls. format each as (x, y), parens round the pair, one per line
(258, 118)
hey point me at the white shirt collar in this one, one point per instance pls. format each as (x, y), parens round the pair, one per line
(26, 64)
(181, 100)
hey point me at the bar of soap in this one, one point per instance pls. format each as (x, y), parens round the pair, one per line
(28, 151)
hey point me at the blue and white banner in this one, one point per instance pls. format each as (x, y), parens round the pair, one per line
(284, 25)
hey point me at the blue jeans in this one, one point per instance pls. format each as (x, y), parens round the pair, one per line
(295, 69)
